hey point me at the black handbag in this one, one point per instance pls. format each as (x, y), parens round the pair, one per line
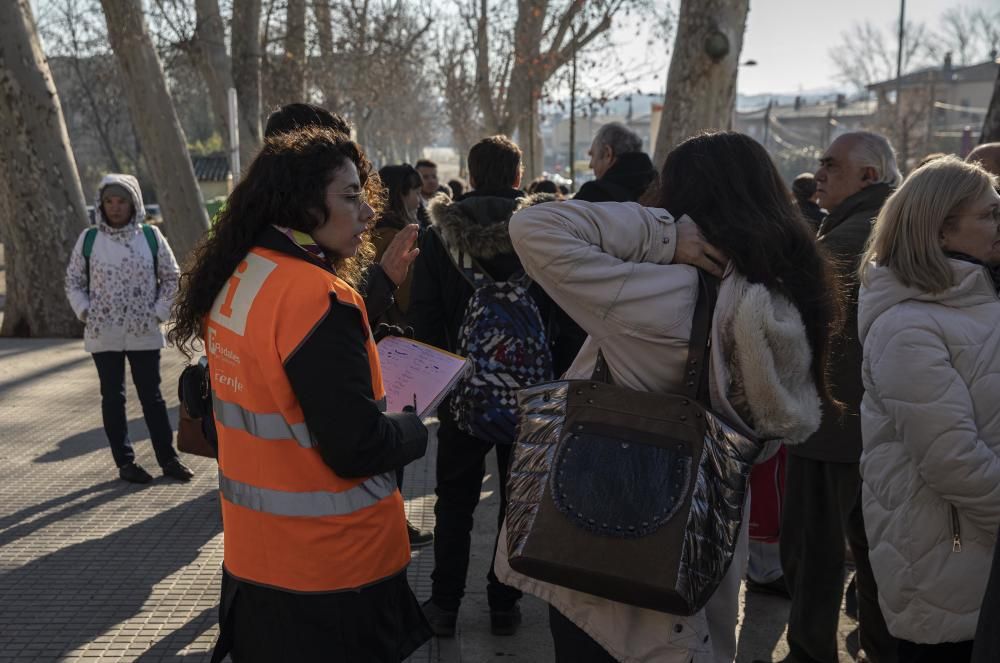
(196, 421)
(633, 496)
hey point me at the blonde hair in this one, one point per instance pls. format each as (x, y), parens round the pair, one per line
(906, 236)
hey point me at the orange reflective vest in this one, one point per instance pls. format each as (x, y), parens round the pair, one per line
(289, 521)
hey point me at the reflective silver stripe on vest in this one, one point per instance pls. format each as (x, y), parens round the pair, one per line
(382, 404)
(311, 504)
(264, 425)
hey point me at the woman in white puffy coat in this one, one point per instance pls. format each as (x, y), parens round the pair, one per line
(929, 318)
(122, 292)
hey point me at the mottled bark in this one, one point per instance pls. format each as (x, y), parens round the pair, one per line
(991, 123)
(44, 210)
(212, 61)
(294, 66)
(157, 127)
(701, 92)
(325, 77)
(246, 75)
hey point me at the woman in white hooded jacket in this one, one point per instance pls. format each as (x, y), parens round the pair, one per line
(929, 319)
(613, 267)
(122, 291)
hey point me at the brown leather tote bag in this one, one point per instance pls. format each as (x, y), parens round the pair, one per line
(633, 496)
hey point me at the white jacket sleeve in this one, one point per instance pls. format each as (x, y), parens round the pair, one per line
(602, 263)
(76, 280)
(933, 414)
(168, 274)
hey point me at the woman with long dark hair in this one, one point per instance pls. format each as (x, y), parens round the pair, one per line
(616, 268)
(315, 535)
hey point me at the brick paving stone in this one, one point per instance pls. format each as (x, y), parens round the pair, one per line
(93, 568)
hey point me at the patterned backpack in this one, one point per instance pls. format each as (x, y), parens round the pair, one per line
(503, 335)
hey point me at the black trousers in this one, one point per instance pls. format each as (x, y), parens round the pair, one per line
(822, 507)
(145, 367)
(461, 466)
(572, 644)
(952, 652)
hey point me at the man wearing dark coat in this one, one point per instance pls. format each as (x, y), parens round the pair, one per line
(622, 170)
(857, 173)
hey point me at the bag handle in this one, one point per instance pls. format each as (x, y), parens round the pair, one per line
(699, 343)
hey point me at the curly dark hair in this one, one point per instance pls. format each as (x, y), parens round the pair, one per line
(285, 185)
(728, 185)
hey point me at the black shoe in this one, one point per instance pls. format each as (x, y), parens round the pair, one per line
(418, 538)
(133, 473)
(442, 621)
(773, 588)
(505, 622)
(177, 470)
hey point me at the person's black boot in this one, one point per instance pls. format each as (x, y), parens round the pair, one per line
(177, 470)
(133, 473)
(505, 622)
(442, 621)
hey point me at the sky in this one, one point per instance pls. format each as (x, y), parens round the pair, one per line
(791, 39)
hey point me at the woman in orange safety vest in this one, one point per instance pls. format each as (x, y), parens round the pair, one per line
(316, 546)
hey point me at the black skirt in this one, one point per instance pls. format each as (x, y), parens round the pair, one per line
(381, 623)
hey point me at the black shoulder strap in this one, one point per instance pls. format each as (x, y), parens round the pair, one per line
(696, 377)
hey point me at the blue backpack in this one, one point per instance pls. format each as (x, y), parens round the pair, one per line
(503, 335)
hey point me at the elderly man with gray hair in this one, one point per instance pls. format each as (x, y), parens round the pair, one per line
(857, 173)
(622, 170)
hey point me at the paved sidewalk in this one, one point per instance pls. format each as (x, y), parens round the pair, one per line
(93, 568)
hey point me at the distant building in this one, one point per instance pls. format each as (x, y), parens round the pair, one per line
(213, 175)
(937, 106)
(802, 126)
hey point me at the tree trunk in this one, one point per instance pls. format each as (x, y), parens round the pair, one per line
(991, 123)
(246, 76)
(324, 38)
(529, 137)
(295, 53)
(213, 62)
(701, 92)
(158, 129)
(44, 211)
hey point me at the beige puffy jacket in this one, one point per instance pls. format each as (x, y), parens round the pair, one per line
(608, 266)
(931, 459)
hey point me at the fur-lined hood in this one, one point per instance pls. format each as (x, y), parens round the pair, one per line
(760, 341)
(476, 224)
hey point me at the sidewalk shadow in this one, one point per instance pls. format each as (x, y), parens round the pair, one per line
(83, 590)
(169, 647)
(94, 439)
(760, 632)
(42, 373)
(13, 527)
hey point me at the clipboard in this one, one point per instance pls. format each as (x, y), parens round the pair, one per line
(417, 374)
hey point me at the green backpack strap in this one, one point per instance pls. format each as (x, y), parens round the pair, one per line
(154, 248)
(88, 248)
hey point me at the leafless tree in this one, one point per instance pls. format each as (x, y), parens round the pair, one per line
(157, 125)
(867, 54)
(701, 86)
(38, 181)
(381, 81)
(518, 48)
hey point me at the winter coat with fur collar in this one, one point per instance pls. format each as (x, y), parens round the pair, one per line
(931, 459)
(124, 302)
(477, 225)
(608, 266)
